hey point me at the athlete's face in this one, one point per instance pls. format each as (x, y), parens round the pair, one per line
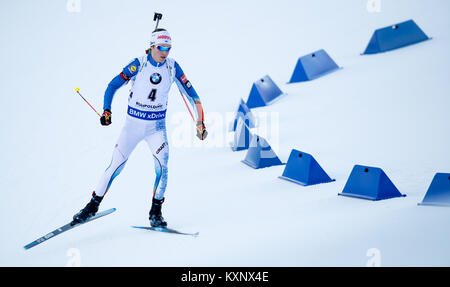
(157, 55)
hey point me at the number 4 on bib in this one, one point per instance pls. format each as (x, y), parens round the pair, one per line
(152, 95)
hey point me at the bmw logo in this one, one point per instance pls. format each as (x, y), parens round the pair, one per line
(155, 78)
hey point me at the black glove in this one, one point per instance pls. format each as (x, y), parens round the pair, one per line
(201, 130)
(105, 120)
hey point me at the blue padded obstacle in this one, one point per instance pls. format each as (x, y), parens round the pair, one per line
(260, 154)
(370, 183)
(303, 169)
(439, 191)
(394, 37)
(313, 66)
(263, 93)
(242, 136)
(246, 114)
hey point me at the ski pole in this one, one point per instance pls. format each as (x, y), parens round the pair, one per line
(78, 92)
(187, 106)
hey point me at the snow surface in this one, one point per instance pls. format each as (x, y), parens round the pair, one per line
(388, 110)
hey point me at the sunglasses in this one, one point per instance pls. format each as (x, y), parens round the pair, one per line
(163, 49)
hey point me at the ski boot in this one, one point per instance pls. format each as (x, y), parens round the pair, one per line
(155, 216)
(88, 211)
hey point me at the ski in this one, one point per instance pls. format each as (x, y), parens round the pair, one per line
(166, 229)
(66, 228)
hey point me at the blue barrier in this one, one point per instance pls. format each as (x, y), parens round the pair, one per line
(263, 92)
(370, 183)
(242, 136)
(303, 169)
(313, 66)
(394, 37)
(438, 193)
(246, 114)
(260, 154)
